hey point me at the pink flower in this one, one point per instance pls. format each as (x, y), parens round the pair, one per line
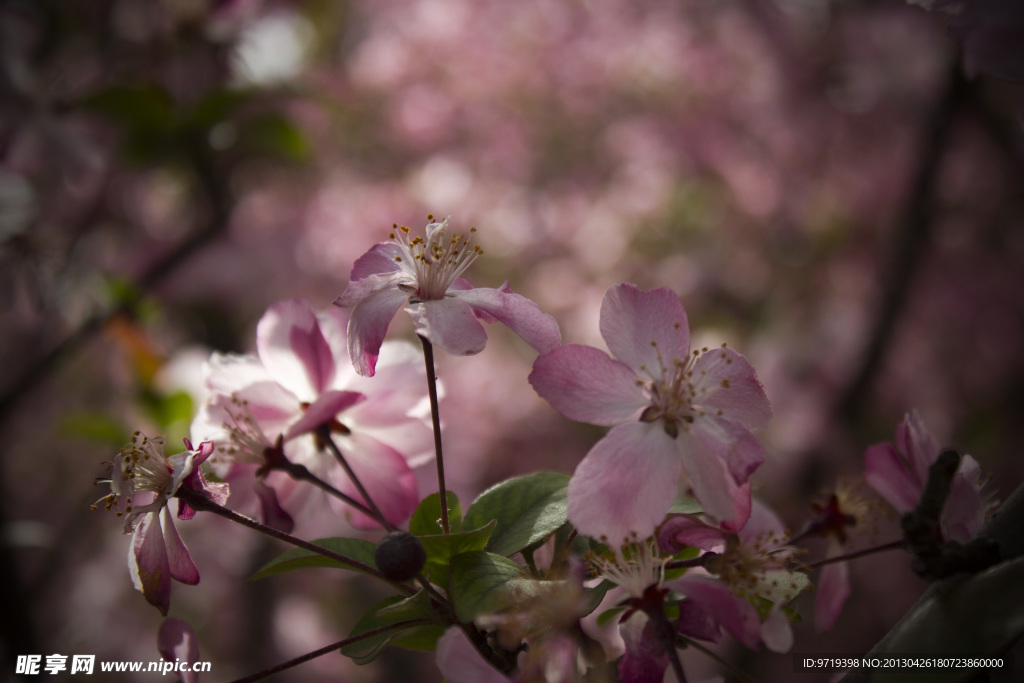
(751, 564)
(695, 414)
(299, 381)
(459, 662)
(141, 472)
(176, 642)
(898, 473)
(424, 274)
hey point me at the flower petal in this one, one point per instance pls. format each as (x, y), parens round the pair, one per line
(646, 330)
(182, 567)
(322, 411)
(521, 315)
(733, 613)
(385, 475)
(459, 662)
(680, 531)
(645, 660)
(448, 324)
(915, 443)
(705, 459)
(147, 562)
(776, 632)
(294, 350)
(625, 484)
(176, 642)
(379, 260)
(585, 384)
(887, 473)
(830, 595)
(964, 511)
(724, 381)
(369, 324)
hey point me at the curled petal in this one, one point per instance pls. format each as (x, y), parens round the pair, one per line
(369, 323)
(680, 531)
(647, 331)
(271, 512)
(522, 316)
(585, 384)
(625, 484)
(322, 411)
(379, 260)
(147, 562)
(448, 324)
(705, 460)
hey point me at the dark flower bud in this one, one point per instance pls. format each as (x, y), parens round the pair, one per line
(400, 556)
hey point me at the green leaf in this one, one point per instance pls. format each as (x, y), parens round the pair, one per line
(426, 521)
(413, 607)
(417, 636)
(484, 582)
(275, 135)
(527, 510)
(297, 558)
(980, 617)
(685, 505)
(441, 548)
(609, 615)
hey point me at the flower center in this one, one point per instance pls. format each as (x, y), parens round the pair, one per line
(140, 467)
(436, 260)
(677, 395)
(635, 567)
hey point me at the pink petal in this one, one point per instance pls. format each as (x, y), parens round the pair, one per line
(740, 449)
(227, 373)
(147, 562)
(645, 660)
(369, 324)
(887, 473)
(964, 512)
(379, 260)
(648, 331)
(832, 591)
(271, 512)
(625, 484)
(725, 381)
(322, 411)
(762, 525)
(448, 324)
(705, 459)
(386, 476)
(182, 567)
(735, 614)
(176, 641)
(522, 316)
(697, 623)
(680, 531)
(294, 350)
(776, 632)
(459, 662)
(918, 446)
(585, 384)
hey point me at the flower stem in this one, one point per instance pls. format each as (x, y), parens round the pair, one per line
(860, 553)
(323, 433)
(198, 501)
(428, 359)
(329, 648)
(302, 473)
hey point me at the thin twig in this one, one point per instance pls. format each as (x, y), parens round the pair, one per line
(323, 433)
(428, 359)
(853, 556)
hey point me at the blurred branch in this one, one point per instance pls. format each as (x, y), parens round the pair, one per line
(910, 242)
(217, 193)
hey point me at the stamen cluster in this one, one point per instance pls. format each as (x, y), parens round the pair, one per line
(435, 261)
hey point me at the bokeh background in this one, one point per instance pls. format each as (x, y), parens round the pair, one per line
(833, 187)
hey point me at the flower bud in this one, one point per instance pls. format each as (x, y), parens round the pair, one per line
(400, 556)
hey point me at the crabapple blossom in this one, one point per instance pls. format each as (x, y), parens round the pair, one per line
(898, 472)
(424, 274)
(676, 413)
(751, 563)
(299, 381)
(141, 472)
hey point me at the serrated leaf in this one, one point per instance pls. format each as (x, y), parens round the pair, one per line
(527, 510)
(366, 650)
(441, 548)
(484, 582)
(356, 548)
(426, 520)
